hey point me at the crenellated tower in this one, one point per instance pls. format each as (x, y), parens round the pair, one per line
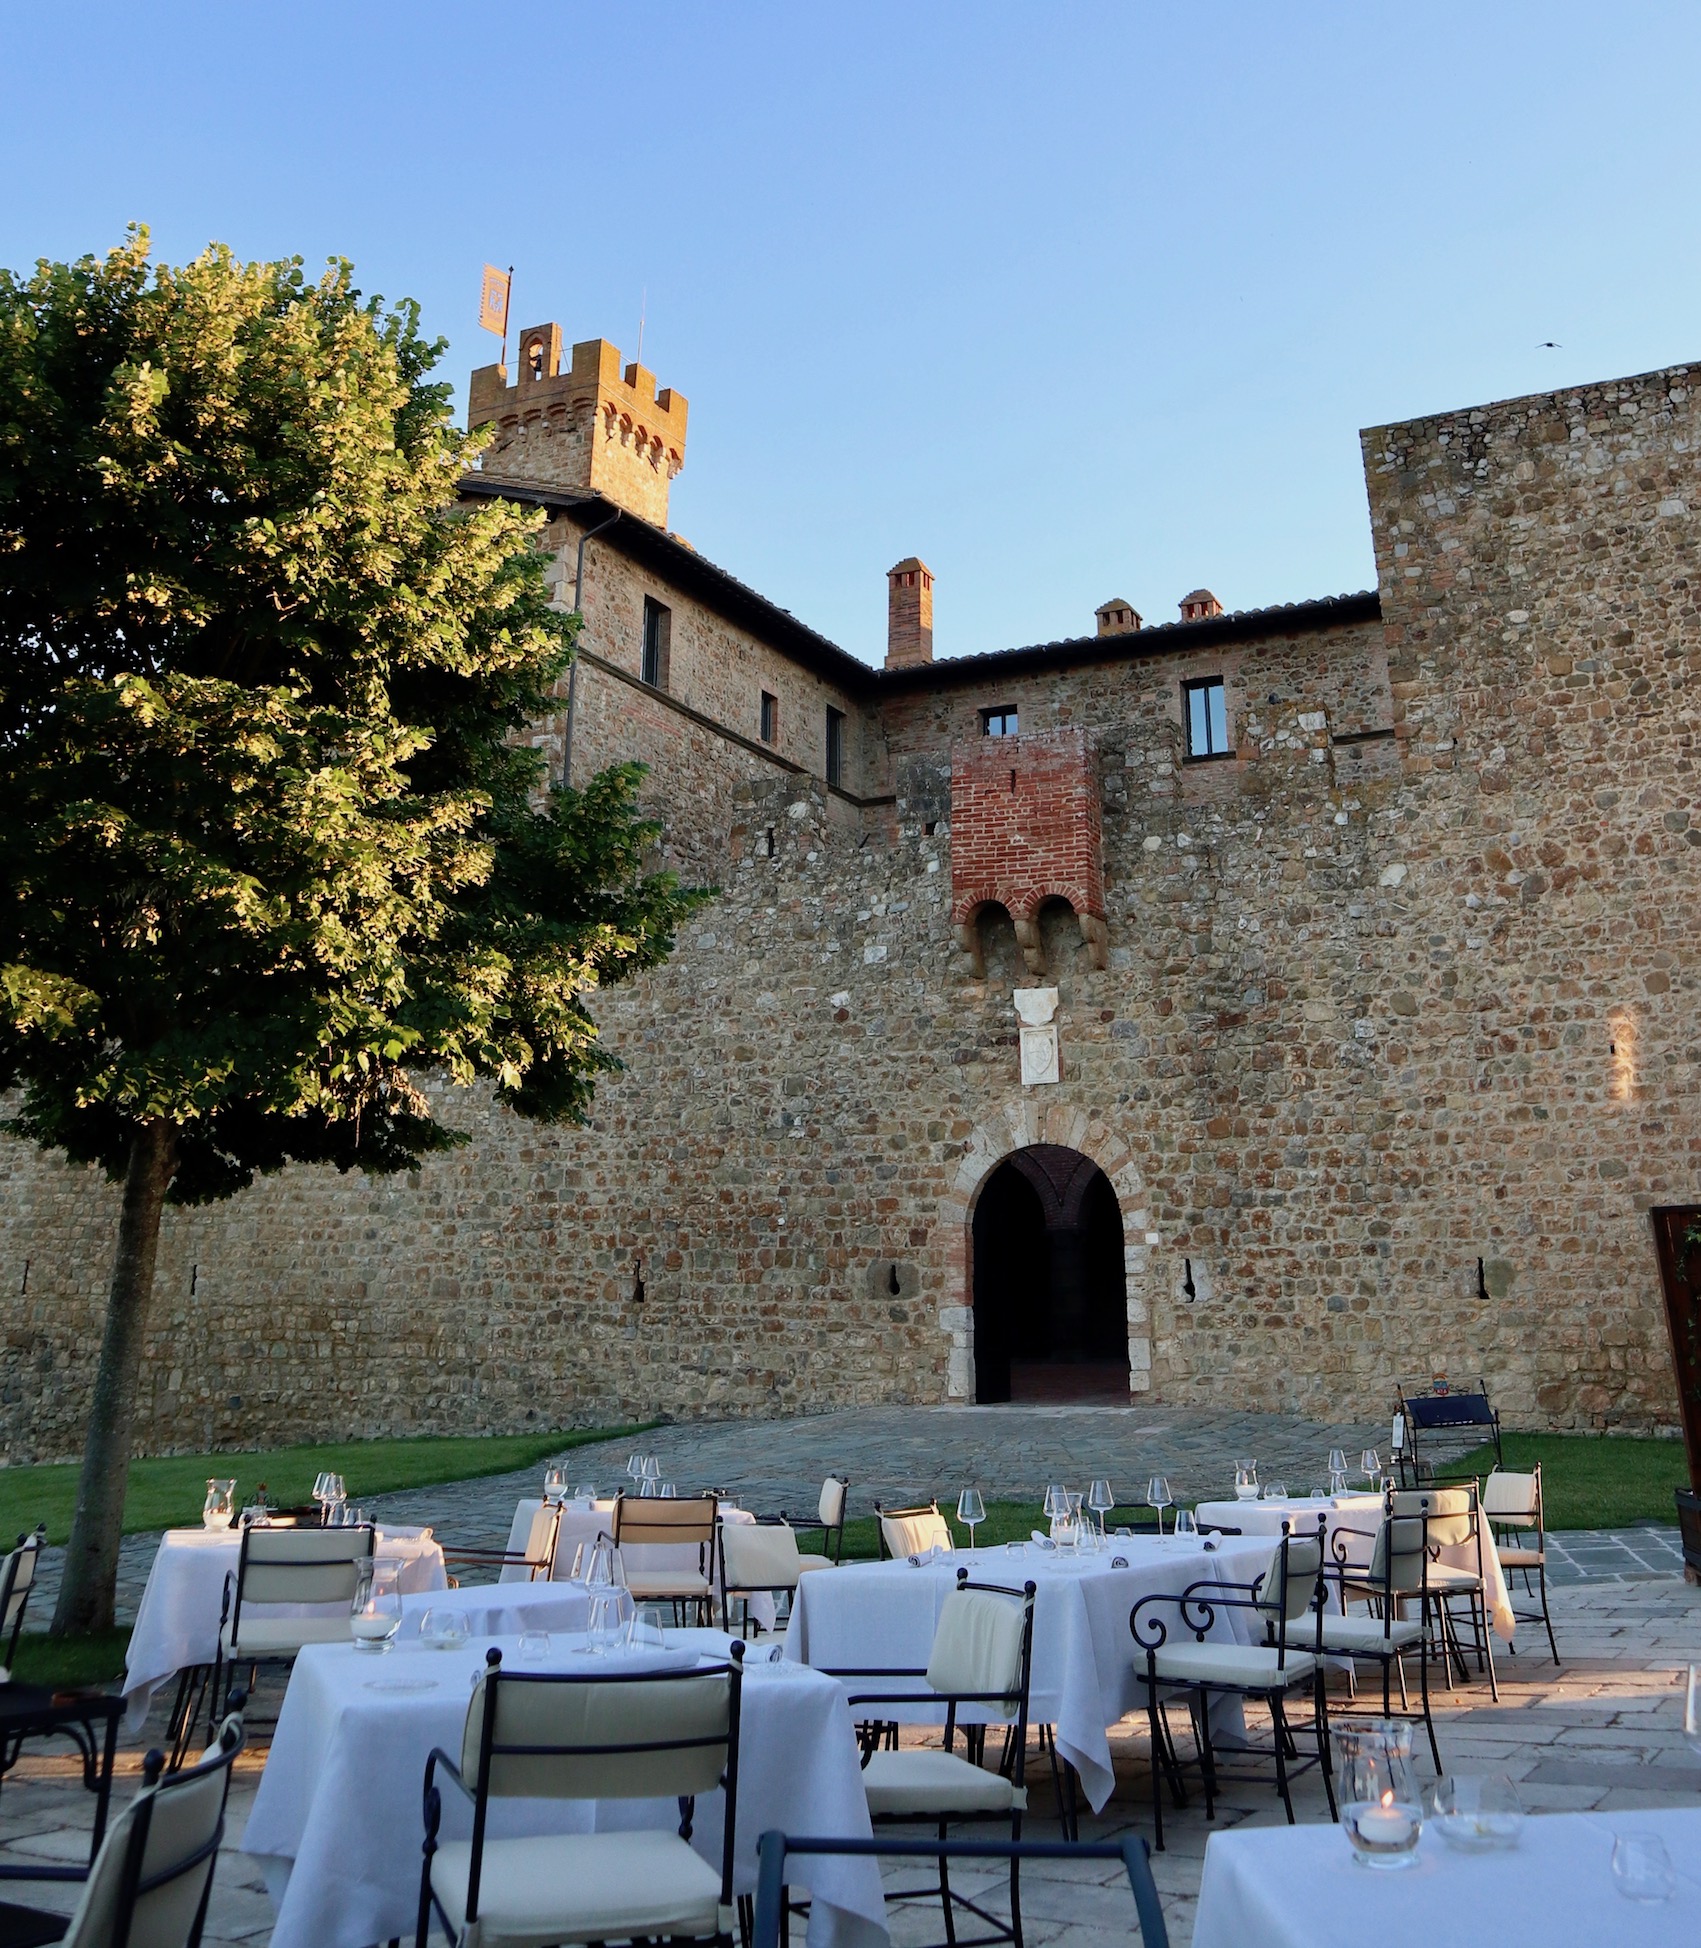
(591, 428)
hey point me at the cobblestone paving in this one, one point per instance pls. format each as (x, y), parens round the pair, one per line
(898, 1454)
(1600, 1732)
(895, 1454)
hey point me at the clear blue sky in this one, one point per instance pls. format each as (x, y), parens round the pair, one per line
(1072, 301)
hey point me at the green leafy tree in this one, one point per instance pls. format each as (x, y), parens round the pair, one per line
(270, 856)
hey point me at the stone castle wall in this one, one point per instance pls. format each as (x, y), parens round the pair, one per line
(1404, 984)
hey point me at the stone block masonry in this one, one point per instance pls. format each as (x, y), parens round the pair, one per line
(1407, 981)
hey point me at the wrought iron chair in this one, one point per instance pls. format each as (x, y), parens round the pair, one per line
(773, 1909)
(982, 1655)
(1284, 1599)
(537, 1558)
(1395, 1576)
(655, 1521)
(17, 1579)
(1513, 1505)
(913, 1531)
(650, 1735)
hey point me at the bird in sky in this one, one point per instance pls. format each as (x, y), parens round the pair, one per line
(1547, 345)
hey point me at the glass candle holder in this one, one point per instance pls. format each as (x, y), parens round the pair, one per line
(1376, 1785)
(377, 1614)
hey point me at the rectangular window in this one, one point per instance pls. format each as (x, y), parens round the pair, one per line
(658, 628)
(835, 746)
(1206, 711)
(998, 723)
(770, 718)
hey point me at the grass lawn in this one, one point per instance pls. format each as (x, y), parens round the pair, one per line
(98, 1659)
(166, 1493)
(1590, 1481)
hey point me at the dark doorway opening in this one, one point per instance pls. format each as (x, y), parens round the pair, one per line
(1050, 1289)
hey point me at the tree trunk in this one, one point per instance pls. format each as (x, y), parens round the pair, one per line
(87, 1593)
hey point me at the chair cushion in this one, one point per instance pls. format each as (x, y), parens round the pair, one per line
(1237, 1667)
(666, 1582)
(807, 1563)
(1453, 1582)
(266, 1636)
(1365, 1634)
(926, 1781)
(977, 1645)
(579, 1887)
(1521, 1558)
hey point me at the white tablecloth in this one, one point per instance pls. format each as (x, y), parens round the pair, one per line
(1084, 1673)
(1361, 1513)
(177, 1622)
(1299, 1887)
(502, 1609)
(337, 1818)
(586, 1524)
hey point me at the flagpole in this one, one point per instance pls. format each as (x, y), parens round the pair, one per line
(507, 306)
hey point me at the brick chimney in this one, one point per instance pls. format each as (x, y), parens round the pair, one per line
(1117, 617)
(909, 614)
(1200, 606)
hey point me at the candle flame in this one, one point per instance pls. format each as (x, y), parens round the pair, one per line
(1388, 1799)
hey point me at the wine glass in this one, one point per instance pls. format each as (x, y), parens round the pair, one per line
(652, 1469)
(1276, 1492)
(1370, 1466)
(971, 1512)
(442, 1629)
(635, 1467)
(1101, 1501)
(1692, 1710)
(1186, 1525)
(1158, 1497)
(645, 1629)
(586, 1493)
(1641, 1868)
(321, 1490)
(1337, 1460)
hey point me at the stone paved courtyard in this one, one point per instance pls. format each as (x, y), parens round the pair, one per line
(1601, 1731)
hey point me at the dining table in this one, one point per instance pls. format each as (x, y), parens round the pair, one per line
(336, 1826)
(177, 1621)
(1086, 1673)
(499, 1609)
(1302, 1887)
(1357, 1515)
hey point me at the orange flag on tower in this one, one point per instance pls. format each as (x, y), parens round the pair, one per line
(493, 300)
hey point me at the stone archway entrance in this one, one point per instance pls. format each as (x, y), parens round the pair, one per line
(1020, 1125)
(1050, 1282)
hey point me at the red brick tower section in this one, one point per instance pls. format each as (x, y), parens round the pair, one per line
(1025, 828)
